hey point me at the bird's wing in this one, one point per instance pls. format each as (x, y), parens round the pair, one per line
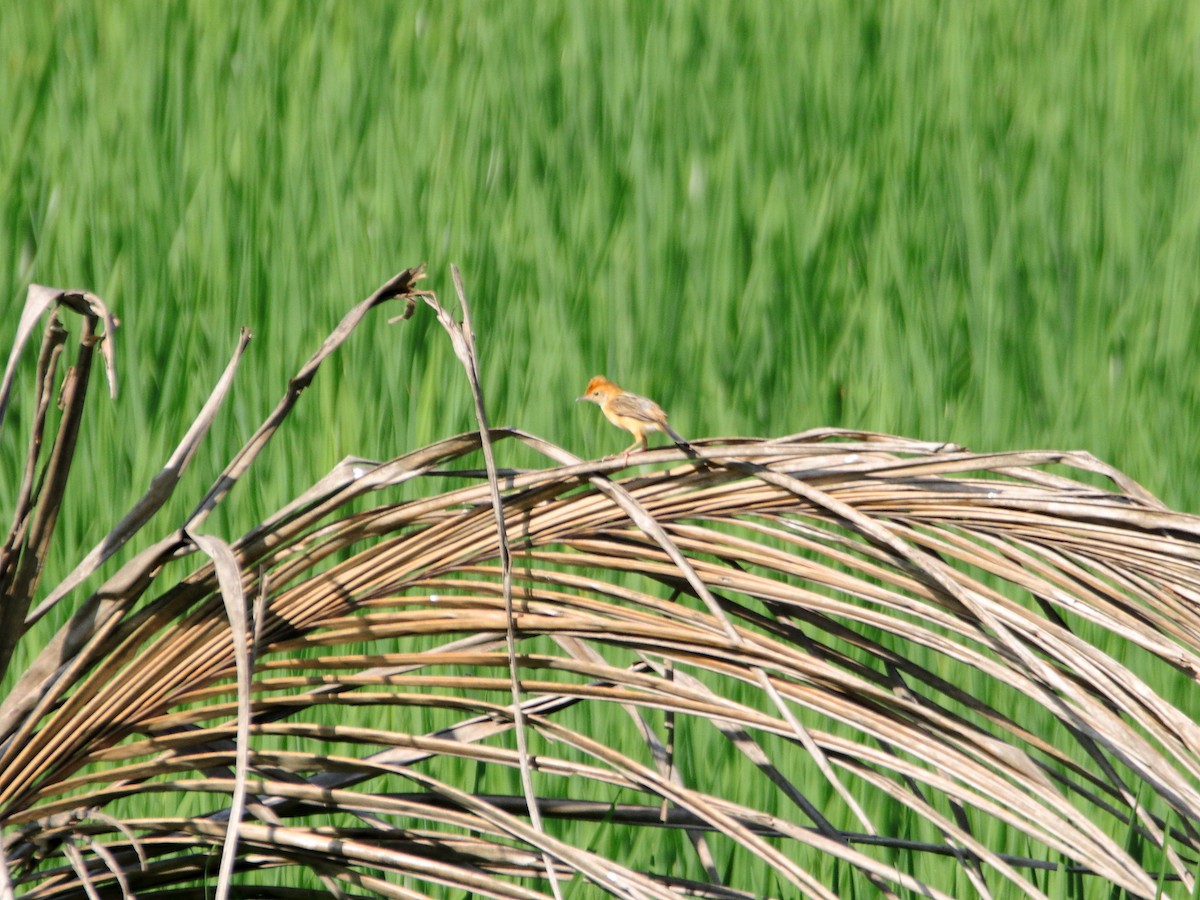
(636, 407)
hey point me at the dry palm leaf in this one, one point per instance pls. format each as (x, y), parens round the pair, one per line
(825, 660)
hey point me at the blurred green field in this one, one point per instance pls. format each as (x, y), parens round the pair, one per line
(971, 222)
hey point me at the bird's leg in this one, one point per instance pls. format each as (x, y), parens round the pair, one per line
(642, 442)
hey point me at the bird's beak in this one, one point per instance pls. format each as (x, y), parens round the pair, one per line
(578, 399)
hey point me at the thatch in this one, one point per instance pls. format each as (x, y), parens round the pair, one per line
(983, 650)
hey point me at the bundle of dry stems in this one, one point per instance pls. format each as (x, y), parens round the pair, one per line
(852, 623)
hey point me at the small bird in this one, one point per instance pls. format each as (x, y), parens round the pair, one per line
(637, 415)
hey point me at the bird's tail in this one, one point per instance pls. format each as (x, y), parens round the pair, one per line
(680, 441)
(676, 436)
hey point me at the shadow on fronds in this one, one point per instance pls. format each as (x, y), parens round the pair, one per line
(825, 664)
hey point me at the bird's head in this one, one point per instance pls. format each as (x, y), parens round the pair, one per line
(597, 389)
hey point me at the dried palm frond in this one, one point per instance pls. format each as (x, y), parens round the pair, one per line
(827, 659)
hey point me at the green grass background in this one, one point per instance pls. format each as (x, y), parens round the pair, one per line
(975, 222)
(963, 221)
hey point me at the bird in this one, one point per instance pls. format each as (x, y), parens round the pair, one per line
(637, 415)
